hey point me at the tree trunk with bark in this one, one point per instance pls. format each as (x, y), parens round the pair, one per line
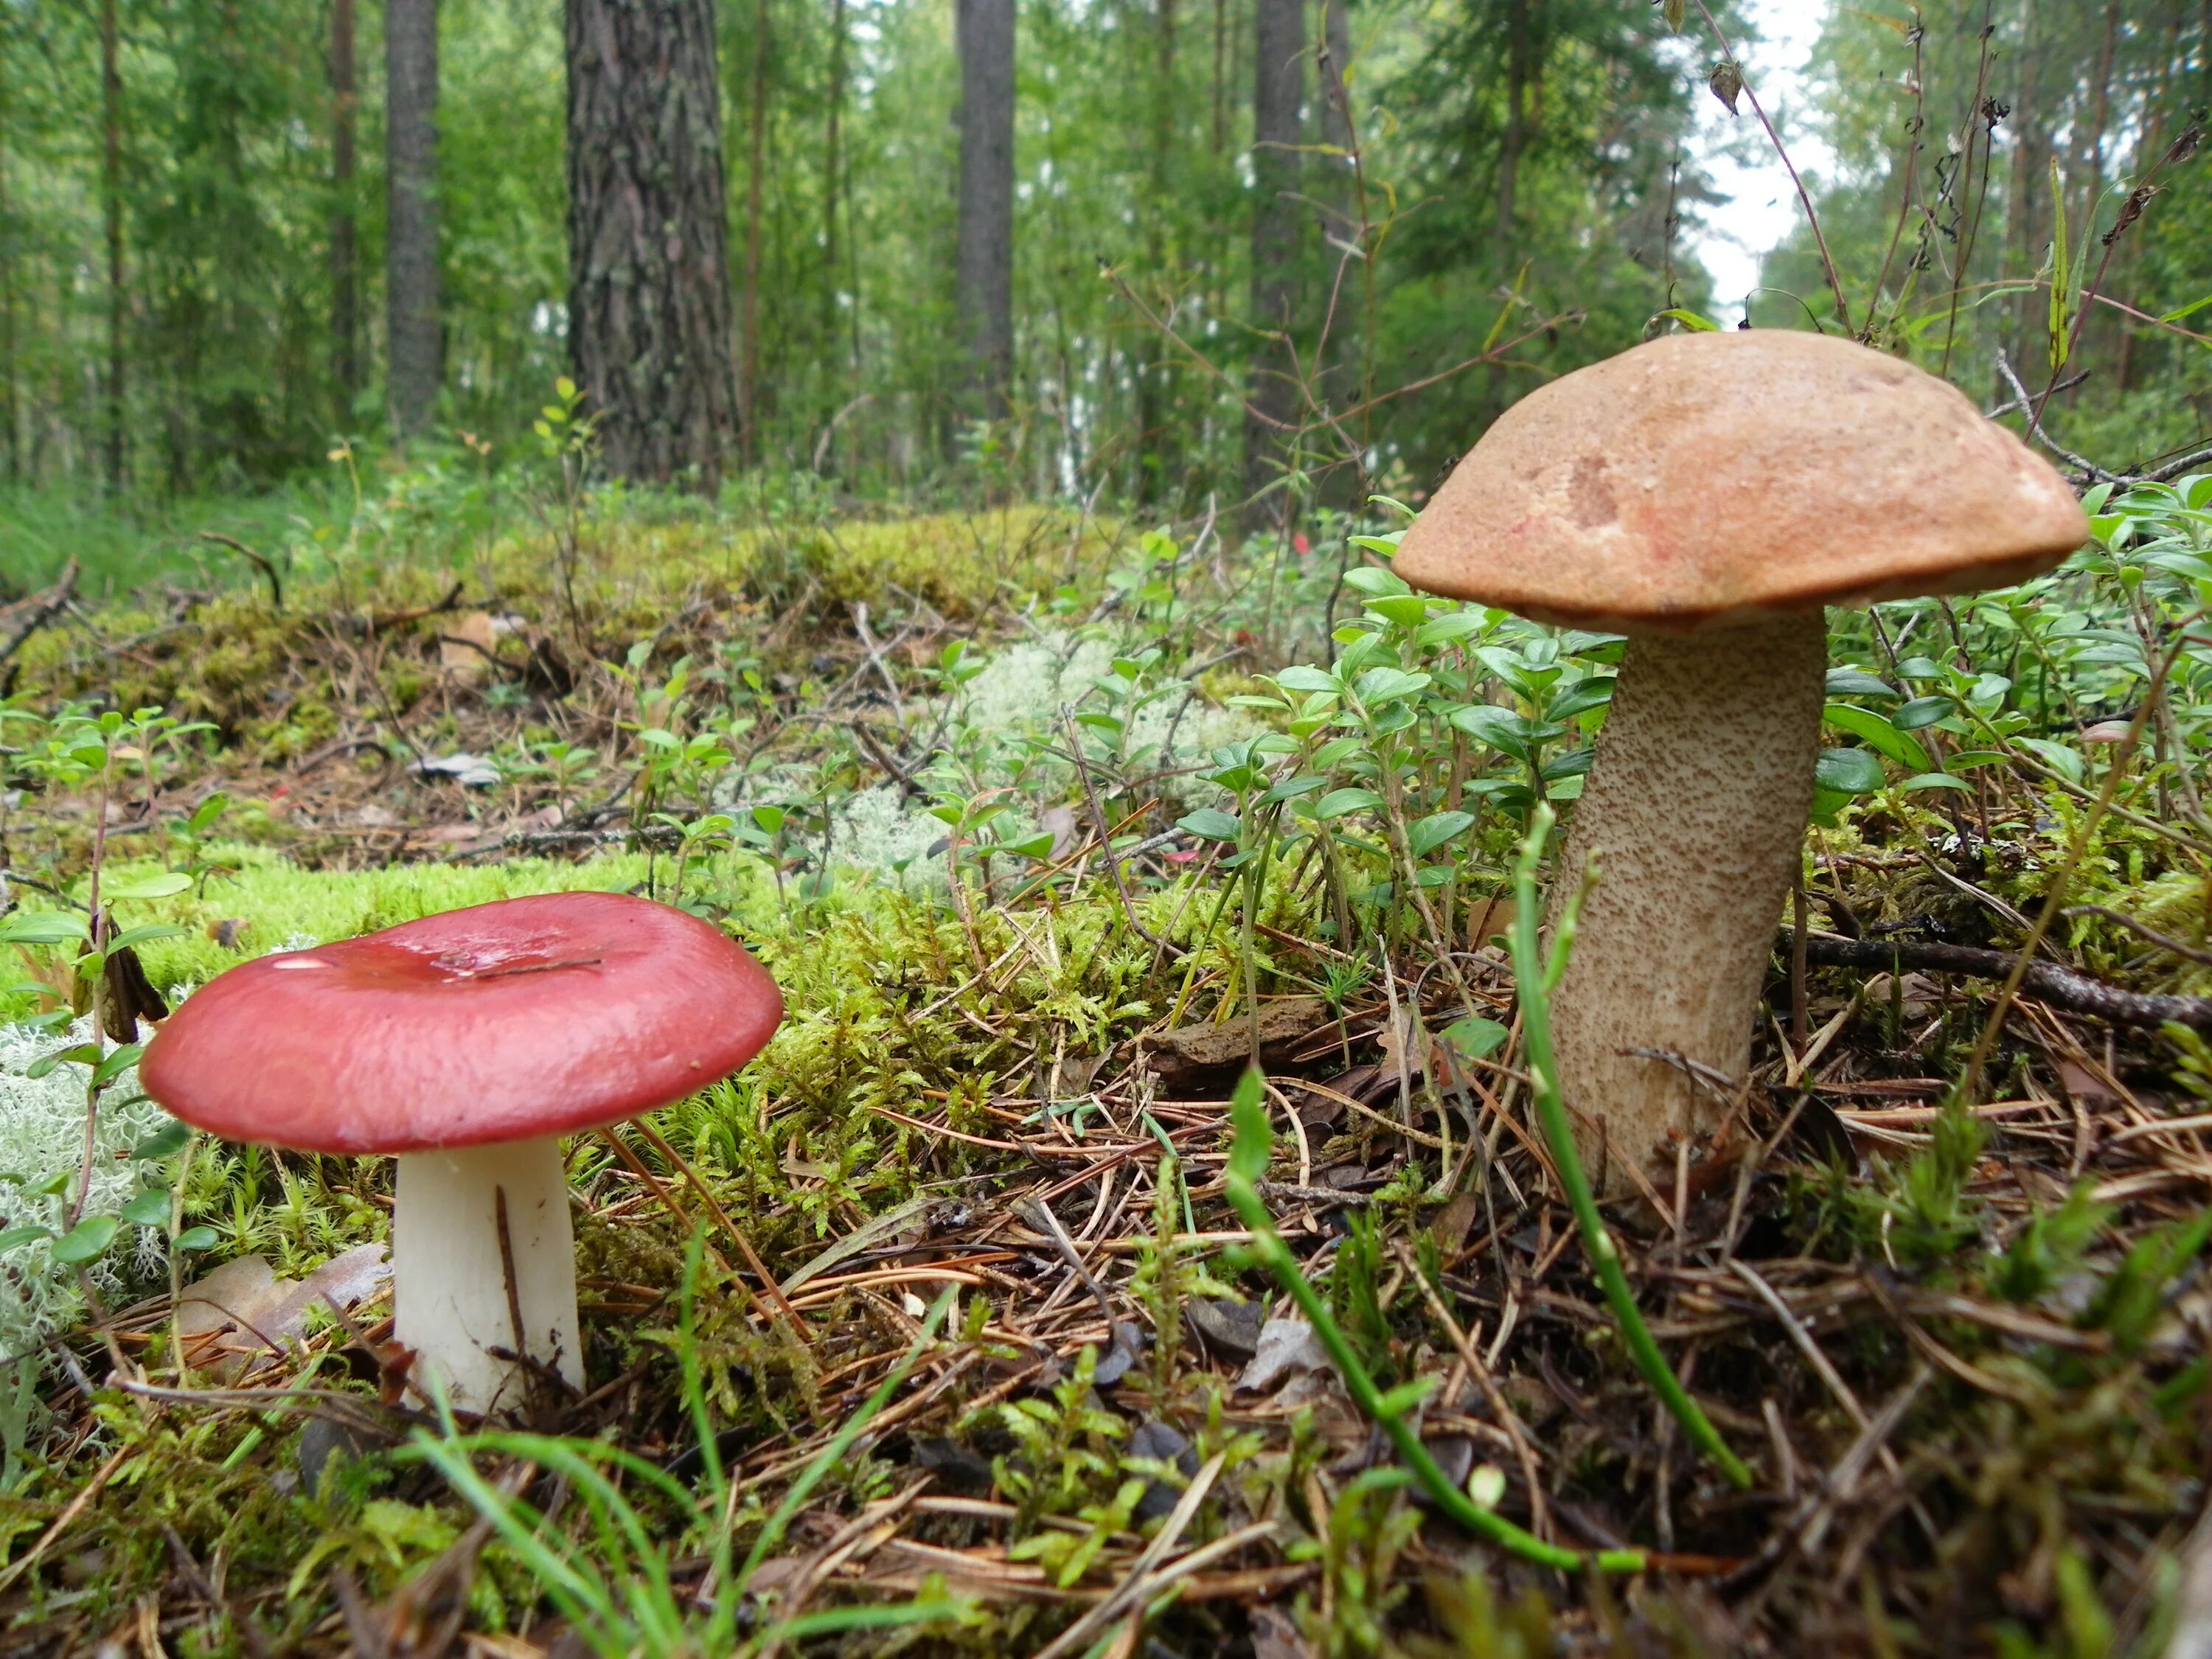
(832, 179)
(345, 292)
(756, 167)
(1159, 388)
(1272, 395)
(12, 432)
(985, 262)
(415, 340)
(648, 255)
(1519, 56)
(110, 123)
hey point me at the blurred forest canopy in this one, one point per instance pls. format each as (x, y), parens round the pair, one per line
(1469, 174)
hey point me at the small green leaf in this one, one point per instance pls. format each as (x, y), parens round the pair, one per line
(85, 1241)
(1878, 734)
(164, 1142)
(196, 1238)
(2067, 762)
(1849, 771)
(1936, 781)
(1433, 831)
(1857, 682)
(83, 1054)
(147, 1209)
(1374, 582)
(1920, 712)
(1475, 1037)
(1580, 698)
(131, 938)
(1304, 677)
(1338, 802)
(1406, 610)
(116, 1062)
(42, 928)
(1211, 823)
(1254, 1139)
(15, 1238)
(155, 884)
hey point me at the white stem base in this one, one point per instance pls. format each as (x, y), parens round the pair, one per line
(449, 1275)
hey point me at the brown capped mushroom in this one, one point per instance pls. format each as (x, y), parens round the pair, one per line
(1708, 494)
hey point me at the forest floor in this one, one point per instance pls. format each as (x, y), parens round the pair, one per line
(1956, 1330)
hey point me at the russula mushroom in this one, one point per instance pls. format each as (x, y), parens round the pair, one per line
(1707, 495)
(468, 1043)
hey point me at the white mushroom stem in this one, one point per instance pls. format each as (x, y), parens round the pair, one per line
(1694, 814)
(451, 1272)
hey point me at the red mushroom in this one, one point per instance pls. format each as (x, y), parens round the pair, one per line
(468, 1043)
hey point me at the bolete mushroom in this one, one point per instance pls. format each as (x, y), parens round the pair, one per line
(468, 1043)
(1707, 495)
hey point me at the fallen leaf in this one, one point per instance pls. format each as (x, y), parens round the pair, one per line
(1285, 1348)
(1161, 1442)
(1229, 1330)
(238, 1318)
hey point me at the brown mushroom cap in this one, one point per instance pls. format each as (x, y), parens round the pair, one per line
(501, 1022)
(1702, 479)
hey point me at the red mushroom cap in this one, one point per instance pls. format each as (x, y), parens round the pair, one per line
(502, 1022)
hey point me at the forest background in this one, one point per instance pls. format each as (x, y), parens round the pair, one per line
(1245, 252)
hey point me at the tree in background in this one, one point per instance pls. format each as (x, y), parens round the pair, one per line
(649, 273)
(345, 265)
(111, 179)
(11, 426)
(2028, 133)
(414, 340)
(1519, 165)
(1273, 394)
(984, 266)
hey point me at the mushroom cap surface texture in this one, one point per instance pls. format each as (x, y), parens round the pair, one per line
(1703, 479)
(501, 1022)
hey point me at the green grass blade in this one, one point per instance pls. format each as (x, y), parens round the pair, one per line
(1535, 979)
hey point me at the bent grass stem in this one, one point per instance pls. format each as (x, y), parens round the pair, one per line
(1246, 1161)
(1535, 976)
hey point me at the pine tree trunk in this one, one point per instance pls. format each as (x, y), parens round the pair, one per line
(985, 262)
(414, 343)
(832, 166)
(1158, 445)
(345, 293)
(11, 419)
(1348, 273)
(1278, 89)
(757, 122)
(1517, 53)
(648, 255)
(111, 120)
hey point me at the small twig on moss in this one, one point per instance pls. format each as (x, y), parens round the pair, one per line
(261, 560)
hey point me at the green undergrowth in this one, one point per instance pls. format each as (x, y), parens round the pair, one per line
(278, 679)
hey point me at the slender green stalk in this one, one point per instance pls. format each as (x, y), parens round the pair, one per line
(1246, 1161)
(1536, 977)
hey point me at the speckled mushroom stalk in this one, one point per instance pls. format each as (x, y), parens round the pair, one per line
(1693, 814)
